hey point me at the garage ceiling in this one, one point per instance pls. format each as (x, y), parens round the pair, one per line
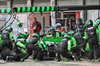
(3, 3)
(37, 1)
(4, 0)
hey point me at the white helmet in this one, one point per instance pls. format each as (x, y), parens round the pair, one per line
(58, 25)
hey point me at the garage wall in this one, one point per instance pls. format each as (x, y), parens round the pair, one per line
(4, 4)
(92, 14)
(41, 3)
(40, 19)
(92, 2)
(69, 2)
(19, 3)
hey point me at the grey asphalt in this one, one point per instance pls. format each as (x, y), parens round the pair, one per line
(30, 62)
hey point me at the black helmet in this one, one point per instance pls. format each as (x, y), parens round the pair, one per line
(69, 34)
(89, 23)
(34, 39)
(35, 35)
(9, 29)
(51, 30)
(79, 21)
(19, 35)
(26, 34)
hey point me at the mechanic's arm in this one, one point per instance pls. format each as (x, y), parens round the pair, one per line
(11, 37)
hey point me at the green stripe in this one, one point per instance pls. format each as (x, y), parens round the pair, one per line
(38, 9)
(87, 48)
(23, 50)
(47, 8)
(18, 9)
(69, 45)
(52, 8)
(23, 9)
(8, 10)
(2, 10)
(33, 9)
(43, 8)
(98, 29)
(28, 9)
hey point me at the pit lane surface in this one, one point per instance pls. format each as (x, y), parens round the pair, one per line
(30, 62)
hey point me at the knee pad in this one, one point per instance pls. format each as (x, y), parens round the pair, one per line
(37, 48)
(59, 50)
(30, 46)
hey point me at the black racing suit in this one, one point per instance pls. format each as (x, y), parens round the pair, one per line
(69, 44)
(30, 45)
(78, 49)
(79, 41)
(62, 49)
(33, 45)
(80, 29)
(6, 40)
(93, 42)
(18, 52)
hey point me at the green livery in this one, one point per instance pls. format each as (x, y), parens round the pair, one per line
(97, 25)
(53, 39)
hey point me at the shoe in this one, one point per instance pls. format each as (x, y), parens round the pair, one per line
(2, 62)
(65, 59)
(37, 60)
(7, 59)
(92, 60)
